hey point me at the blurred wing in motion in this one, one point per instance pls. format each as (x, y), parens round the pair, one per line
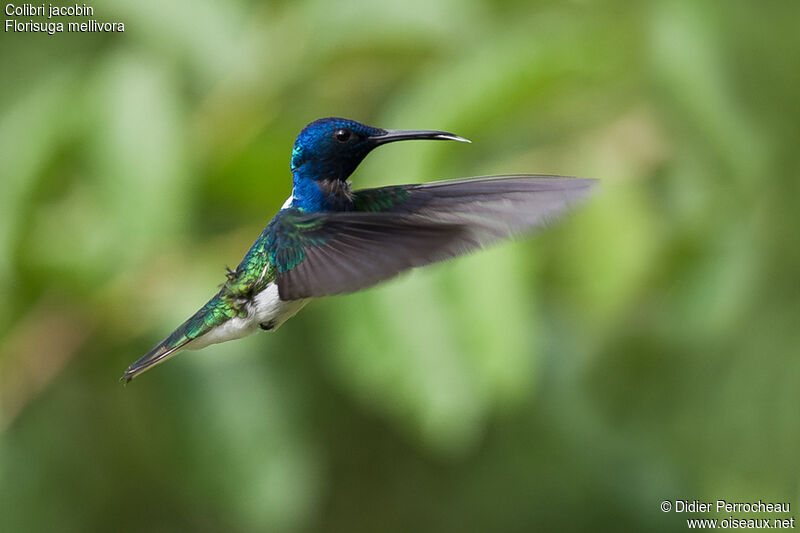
(392, 229)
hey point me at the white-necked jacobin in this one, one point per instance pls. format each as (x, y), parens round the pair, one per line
(328, 239)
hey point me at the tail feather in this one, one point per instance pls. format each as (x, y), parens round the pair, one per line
(212, 314)
(160, 353)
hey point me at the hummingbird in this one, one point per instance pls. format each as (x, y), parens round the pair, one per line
(329, 239)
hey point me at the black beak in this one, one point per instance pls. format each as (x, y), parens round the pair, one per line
(389, 136)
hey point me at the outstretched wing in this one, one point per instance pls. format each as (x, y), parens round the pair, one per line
(396, 228)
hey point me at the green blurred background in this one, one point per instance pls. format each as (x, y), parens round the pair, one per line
(644, 349)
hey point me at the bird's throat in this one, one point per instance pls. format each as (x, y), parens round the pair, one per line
(321, 195)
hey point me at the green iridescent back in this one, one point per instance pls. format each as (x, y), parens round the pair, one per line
(252, 275)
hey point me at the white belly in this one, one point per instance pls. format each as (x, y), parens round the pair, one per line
(266, 308)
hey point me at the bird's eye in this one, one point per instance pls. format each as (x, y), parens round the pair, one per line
(342, 135)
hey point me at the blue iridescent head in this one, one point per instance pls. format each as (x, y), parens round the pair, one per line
(332, 148)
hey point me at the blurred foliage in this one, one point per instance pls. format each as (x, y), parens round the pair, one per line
(645, 348)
